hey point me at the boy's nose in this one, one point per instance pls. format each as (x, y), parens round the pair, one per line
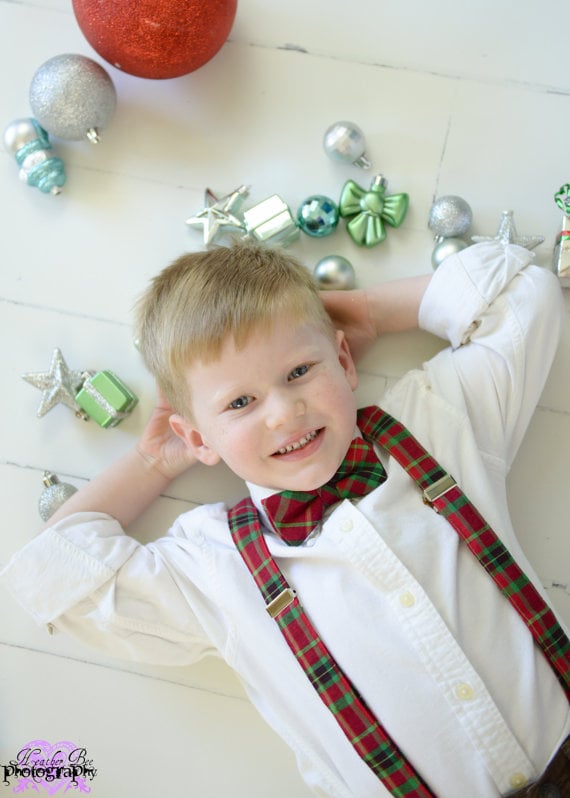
(283, 409)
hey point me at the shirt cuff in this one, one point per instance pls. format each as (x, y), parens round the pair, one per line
(54, 572)
(465, 284)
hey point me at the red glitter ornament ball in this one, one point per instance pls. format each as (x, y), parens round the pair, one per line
(156, 38)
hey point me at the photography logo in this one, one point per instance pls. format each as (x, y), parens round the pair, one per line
(50, 768)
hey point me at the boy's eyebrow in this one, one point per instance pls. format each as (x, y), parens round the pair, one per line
(227, 393)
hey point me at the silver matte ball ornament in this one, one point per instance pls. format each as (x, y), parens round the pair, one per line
(334, 273)
(54, 494)
(344, 142)
(450, 216)
(444, 248)
(73, 97)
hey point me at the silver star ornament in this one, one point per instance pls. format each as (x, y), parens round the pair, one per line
(507, 234)
(219, 213)
(59, 385)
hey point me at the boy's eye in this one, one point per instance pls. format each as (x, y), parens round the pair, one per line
(299, 371)
(241, 401)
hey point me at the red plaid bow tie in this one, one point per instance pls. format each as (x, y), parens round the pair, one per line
(294, 514)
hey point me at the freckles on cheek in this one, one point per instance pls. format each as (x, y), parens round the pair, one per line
(220, 437)
(228, 443)
(339, 396)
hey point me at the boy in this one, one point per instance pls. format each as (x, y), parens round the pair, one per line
(254, 374)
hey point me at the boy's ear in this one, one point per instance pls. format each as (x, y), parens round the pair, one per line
(193, 439)
(345, 360)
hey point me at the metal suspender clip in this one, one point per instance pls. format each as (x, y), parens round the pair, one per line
(281, 602)
(438, 489)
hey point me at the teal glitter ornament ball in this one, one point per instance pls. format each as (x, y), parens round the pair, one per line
(318, 216)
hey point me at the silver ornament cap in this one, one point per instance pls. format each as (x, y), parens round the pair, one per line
(344, 142)
(450, 216)
(334, 273)
(73, 97)
(54, 494)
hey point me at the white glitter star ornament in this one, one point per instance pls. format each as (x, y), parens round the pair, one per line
(59, 385)
(507, 234)
(219, 213)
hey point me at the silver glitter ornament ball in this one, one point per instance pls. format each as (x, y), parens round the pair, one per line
(450, 216)
(344, 142)
(54, 494)
(444, 248)
(334, 273)
(73, 97)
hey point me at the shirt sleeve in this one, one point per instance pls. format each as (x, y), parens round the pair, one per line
(503, 317)
(86, 577)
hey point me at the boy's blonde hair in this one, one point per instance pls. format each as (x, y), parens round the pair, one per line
(193, 305)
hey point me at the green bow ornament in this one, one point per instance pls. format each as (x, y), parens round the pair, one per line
(370, 209)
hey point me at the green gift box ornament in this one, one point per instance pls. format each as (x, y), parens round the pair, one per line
(105, 398)
(370, 210)
(99, 395)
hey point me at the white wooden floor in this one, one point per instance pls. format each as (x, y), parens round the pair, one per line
(467, 100)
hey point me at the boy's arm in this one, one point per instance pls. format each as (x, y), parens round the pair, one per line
(365, 314)
(129, 485)
(502, 316)
(85, 576)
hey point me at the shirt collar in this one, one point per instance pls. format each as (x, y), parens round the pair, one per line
(259, 492)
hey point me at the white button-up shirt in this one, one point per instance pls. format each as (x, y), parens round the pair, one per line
(438, 654)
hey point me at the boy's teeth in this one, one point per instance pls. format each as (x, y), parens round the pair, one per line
(300, 443)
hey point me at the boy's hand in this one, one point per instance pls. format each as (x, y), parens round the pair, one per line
(350, 312)
(160, 446)
(128, 486)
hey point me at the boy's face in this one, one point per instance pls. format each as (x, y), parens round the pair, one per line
(280, 412)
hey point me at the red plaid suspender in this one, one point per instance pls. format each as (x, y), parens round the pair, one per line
(439, 489)
(364, 732)
(446, 497)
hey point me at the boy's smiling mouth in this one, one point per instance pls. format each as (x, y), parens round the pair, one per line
(299, 444)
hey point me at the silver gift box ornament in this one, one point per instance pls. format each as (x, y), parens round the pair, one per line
(271, 221)
(561, 258)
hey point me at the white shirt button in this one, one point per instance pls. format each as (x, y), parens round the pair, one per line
(346, 525)
(407, 599)
(518, 780)
(464, 691)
